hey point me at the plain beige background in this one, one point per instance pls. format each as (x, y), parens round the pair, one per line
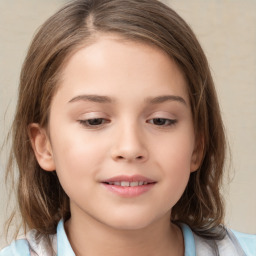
(227, 32)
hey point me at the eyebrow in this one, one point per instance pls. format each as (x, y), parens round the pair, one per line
(106, 99)
(92, 98)
(164, 98)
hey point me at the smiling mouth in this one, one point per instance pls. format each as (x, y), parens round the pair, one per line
(128, 184)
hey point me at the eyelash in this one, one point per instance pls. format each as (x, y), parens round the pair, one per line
(167, 122)
(98, 122)
(86, 122)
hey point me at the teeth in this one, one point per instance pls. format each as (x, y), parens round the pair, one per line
(128, 184)
(134, 184)
(125, 183)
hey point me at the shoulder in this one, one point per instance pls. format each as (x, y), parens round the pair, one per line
(16, 248)
(234, 243)
(31, 245)
(41, 245)
(247, 242)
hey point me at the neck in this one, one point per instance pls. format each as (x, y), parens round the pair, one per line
(89, 237)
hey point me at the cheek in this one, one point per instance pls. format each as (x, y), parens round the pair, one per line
(75, 154)
(176, 150)
(174, 160)
(75, 165)
(176, 168)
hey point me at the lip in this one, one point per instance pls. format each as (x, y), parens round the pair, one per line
(129, 191)
(132, 178)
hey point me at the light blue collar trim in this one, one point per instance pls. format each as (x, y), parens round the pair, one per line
(63, 245)
(247, 242)
(189, 241)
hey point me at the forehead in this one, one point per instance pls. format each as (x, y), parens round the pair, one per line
(111, 63)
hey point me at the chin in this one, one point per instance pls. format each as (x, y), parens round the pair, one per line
(129, 225)
(131, 222)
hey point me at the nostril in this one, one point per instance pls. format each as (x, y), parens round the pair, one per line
(137, 158)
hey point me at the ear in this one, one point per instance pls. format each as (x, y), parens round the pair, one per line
(197, 156)
(41, 146)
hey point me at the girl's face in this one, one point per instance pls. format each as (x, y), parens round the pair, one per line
(121, 134)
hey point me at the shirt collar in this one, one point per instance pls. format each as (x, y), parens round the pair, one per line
(64, 247)
(189, 241)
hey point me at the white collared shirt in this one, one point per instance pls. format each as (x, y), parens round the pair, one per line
(234, 243)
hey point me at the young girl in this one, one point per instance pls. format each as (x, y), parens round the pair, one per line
(118, 138)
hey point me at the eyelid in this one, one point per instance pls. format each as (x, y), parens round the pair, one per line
(93, 115)
(167, 122)
(162, 119)
(85, 119)
(162, 114)
(86, 123)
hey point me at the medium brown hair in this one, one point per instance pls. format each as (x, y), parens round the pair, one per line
(42, 201)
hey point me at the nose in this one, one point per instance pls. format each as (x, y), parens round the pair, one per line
(129, 145)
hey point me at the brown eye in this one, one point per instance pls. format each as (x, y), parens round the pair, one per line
(162, 121)
(93, 122)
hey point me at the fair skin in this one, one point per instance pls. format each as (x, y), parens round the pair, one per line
(121, 109)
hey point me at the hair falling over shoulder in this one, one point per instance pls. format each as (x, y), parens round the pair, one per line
(42, 201)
